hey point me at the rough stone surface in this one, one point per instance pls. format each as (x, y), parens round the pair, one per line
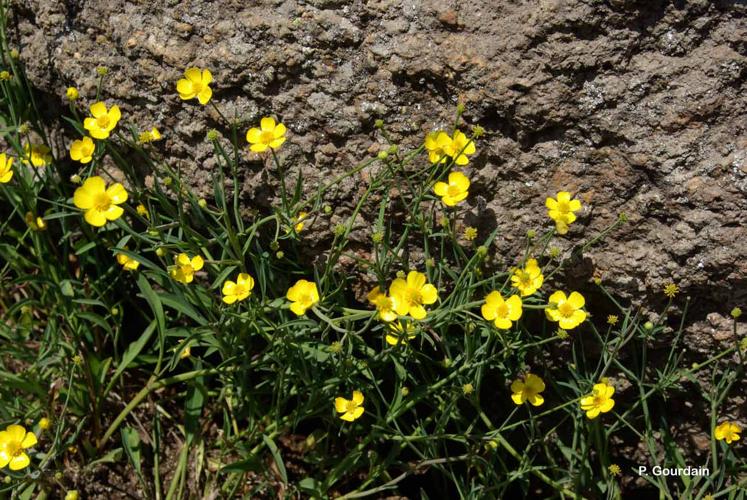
(637, 106)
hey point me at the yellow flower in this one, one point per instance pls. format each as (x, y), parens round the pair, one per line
(566, 310)
(13, 441)
(455, 191)
(612, 320)
(529, 279)
(102, 120)
(149, 136)
(502, 312)
(71, 495)
(350, 409)
(562, 210)
(400, 333)
(470, 233)
(671, 290)
(599, 401)
(4, 75)
(299, 221)
(72, 94)
(35, 223)
(727, 431)
(142, 211)
(100, 203)
(614, 469)
(436, 143)
(528, 390)
(384, 305)
(36, 155)
(196, 83)
(185, 268)
(238, 290)
(303, 295)
(410, 295)
(44, 423)
(268, 135)
(82, 150)
(6, 168)
(127, 263)
(459, 147)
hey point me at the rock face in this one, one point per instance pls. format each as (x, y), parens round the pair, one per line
(637, 106)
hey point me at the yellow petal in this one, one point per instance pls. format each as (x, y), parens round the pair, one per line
(357, 412)
(429, 294)
(95, 218)
(114, 115)
(228, 288)
(98, 109)
(15, 433)
(459, 180)
(341, 405)
(82, 198)
(279, 131)
(184, 88)
(207, 77)
(253, 135)
(117, 193)
(551, 204)
(574, 205)
(197, 263)
(19, 462)
(416, 280)
(298, 308)
(358, 397)
(204, 96)
(113, 213)
(418, 312)
(441, 189)
(536, 400)
(29, 440)
(183, 260)
(259, 147)
(267, 124)
(517, 398)
(564, 196)
(193, 75)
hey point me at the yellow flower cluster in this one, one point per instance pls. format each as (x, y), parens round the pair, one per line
(562, 210)
(441, 147)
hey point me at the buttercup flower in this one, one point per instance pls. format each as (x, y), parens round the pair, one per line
(185, 268)
(503, 312)
(384, 305)
(196, 83)
(268, 135)
(455, 191)
(142, 211)
(44, 423)
(103, 120)
(727, 431)
(412, 294)
(459, 147)
(562, 210)
(6, 168)
(599, 401)
(528, 390)
(529, 279)
(72, 94)
(149, 136)
(299, 220)
(127, 263)
(351, 409)
(400, 333)
(566, 310)
(436, 143)
(303, 295)
(37, 155)
(36, 223)
(13, 441)
(82, 150)
(100, 203)
(236, 291)
(614, 469)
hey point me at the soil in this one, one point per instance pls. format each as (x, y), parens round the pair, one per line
(637, 106)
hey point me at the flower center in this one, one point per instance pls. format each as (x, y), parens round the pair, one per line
(598, 400)
(564, 207)
(413, 297)
(524, 278)
(103, 202)
(196, 87)
(453, 191)
(502, 310)
(240, 290)
(351, 405)
(566, 309)
(266, 137)
(102, 121)
(13, 448)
